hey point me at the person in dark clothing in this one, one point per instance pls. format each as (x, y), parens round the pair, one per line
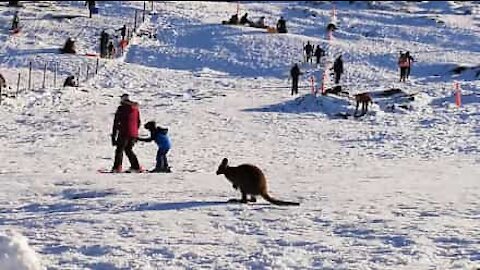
(295, 73)
(111, 50)
(15, 21)
(123, 31)
(282, 25)
(308, 51)
(338, 69)
(14, 4)
(331, 27)
(410, 61)
(70, 81)
(244, 20)
(69, 46)
(403, 65)
(91, 7)
(104, 37)
(260, 23)
(159, 135)
(319, 53)
(233, 20)
(125, 133)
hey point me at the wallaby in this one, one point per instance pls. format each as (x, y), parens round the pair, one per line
(250, 180)
(364, 99)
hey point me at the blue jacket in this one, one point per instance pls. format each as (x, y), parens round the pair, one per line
(162, 140)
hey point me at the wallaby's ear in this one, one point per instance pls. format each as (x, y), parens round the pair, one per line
(224, 162)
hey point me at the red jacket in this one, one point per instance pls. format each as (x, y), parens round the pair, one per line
(127, 120)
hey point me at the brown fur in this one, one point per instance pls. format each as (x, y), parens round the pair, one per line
(364, 99)
(250, 180)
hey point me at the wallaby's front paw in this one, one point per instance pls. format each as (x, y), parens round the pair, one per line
(234, 201)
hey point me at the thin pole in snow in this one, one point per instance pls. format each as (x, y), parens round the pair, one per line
(144, 6)
(30, 76)
(18, 85)
(96, 67)
(78, 75)
(44, 74)
(135, 22)
(55, 75)
(312, 80)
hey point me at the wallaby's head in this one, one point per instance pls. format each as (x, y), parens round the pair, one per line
(223, 166)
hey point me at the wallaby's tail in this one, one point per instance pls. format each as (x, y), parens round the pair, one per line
(277, 202)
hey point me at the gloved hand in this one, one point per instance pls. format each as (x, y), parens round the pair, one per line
(114, 140)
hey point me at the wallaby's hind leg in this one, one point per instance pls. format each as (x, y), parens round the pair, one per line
(244, 198)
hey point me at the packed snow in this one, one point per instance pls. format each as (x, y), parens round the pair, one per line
(395, 189)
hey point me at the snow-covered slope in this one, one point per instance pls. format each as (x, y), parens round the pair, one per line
(391, 190)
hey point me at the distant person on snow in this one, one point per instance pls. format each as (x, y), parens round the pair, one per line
(104, 38)
(123, 31)
(13, 4)
(15, 21)
(319, 53)
(244, 20)
(159, 135)
(233, 20)
(331, 27)
(295, 74)
(403, 65)
(338, 69)
(260, 23)
(308, 51)
(69, 46)
(125, 133)
(91, 7)
(111, 49)
(281, 25)
(410, 61)
(70, 81)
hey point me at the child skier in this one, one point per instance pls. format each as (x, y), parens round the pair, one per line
(159, 135)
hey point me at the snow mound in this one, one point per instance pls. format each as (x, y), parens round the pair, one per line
(16, 254)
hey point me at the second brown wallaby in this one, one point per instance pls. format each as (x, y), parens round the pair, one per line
(250, 180)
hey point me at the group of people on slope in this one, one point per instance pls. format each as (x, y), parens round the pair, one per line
(125, 134)
(405, 62)
(337, 73)
(311, 50)
(260, 23)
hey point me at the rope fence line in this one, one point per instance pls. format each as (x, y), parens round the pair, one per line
(37, 74)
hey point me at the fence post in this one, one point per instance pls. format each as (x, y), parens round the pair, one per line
(44, 74)
(143, 16)
(152, 5)
(96, 67)
(30, 76)
(135, 22)
(0, 94)
(78, 75)
(88, 69)
(55, 75)
(18, 85)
